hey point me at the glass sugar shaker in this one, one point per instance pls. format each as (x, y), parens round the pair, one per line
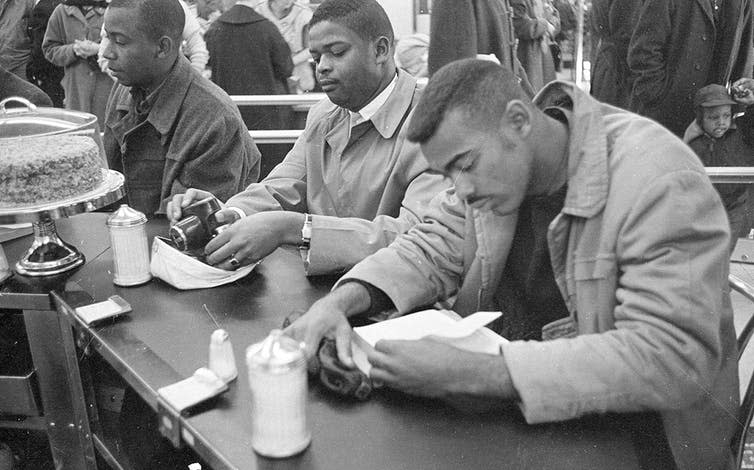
(128, 239)
(278, 381)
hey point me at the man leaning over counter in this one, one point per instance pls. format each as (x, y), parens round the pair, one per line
(168, 128)
(598, 235)
(352, 168)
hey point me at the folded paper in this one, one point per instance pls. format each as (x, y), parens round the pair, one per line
(185, 272)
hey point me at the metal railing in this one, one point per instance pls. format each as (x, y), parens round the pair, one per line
(306, 99)
(731, 174)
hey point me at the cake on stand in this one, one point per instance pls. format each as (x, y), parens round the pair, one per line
(49, 254)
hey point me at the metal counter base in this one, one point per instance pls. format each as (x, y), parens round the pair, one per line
(166, 337)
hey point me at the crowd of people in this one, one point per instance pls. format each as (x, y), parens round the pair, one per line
(592, 228)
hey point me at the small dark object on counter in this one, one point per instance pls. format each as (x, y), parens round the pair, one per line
(331, 372)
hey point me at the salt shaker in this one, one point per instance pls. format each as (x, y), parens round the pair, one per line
(128, 238)
(277, 377)
(221, 359)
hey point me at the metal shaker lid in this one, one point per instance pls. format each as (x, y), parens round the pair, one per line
(276, 353)
(126, 216)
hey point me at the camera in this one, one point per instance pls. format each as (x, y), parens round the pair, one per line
(198, 225)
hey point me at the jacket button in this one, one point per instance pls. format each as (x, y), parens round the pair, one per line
(697, 67)
(704, 37)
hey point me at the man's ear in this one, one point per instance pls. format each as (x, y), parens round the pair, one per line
(382, 50)
(165, 46)
(517, 117)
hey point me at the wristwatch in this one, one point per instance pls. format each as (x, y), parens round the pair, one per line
(306, 238)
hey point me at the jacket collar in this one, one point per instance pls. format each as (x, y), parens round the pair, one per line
(169, 99)
(387, 120)
(588, 179)
(391, 114)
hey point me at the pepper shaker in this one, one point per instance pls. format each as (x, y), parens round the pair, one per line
(128, 239)
(221, 359)
(278, 381)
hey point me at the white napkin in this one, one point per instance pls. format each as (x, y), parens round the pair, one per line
(184, 272)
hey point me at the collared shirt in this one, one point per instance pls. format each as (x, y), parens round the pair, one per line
(371, 108)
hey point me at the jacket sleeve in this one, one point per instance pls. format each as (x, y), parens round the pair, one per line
(425, 264)
(55, 46)
(339, 243)
(526, 27)
(646, 52)
(284, 188)
(222, 159)
(280, 54)
(665, 349)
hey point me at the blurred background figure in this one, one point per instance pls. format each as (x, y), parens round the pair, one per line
(292, 20)
(13, 85)
(567, 14)
(248, 56)
(206, 12)
(679, 47)
(536, 23)
(72, 42)
(40, 71)
(464, 29)
(612, 23)
(411, 54)
(15, 47)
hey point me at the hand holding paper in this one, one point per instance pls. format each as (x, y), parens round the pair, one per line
(468, 333)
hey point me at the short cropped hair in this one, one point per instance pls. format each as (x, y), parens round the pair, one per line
(157, 18)
(479, 88)
(366, 18)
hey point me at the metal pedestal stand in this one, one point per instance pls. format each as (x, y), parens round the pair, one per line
(49, 254)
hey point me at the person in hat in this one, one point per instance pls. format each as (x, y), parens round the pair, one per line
(720, 140)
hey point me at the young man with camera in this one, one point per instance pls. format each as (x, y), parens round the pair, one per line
(352, 182)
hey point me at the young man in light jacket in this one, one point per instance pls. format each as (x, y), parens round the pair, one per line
(352, 181)
(599, 236)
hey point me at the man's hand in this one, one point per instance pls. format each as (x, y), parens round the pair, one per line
(179, 202)
(327, 317)
(253, 237)
(431, 368)
(743, 91)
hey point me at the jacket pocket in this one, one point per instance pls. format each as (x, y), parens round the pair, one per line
(595, 281)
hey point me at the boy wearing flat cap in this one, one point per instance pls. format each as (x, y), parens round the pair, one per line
(720, 140)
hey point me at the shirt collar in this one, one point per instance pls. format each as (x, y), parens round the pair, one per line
(370, 109)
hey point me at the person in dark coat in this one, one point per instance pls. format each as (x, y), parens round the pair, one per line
(248, 56)
(678, 47)
(461, 29)
(41, 72)
(536, 23)
(612, 23)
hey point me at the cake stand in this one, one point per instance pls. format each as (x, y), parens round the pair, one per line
(49, 254)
